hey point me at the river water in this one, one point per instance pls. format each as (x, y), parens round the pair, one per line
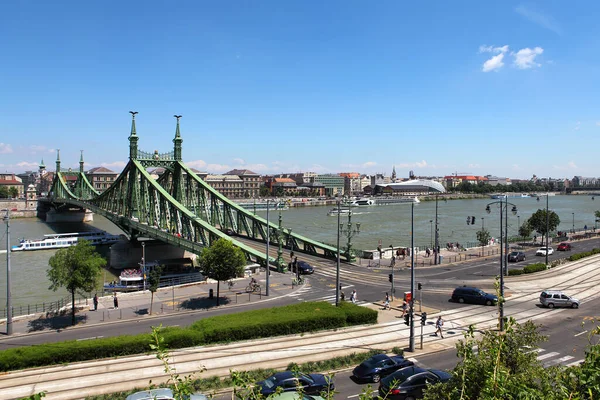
(378, 224)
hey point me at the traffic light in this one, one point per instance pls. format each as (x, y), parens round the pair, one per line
(407, 319)
(423, 317)
(419, 286)
(390, 276)
(472, 220)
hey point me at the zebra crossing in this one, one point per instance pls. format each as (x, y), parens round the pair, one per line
(310, 293)
(550, 358)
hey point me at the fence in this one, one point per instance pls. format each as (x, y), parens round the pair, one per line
(51, 306)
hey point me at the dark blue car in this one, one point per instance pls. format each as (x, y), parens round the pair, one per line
(290, 382)
(379, 366)
(410, 382)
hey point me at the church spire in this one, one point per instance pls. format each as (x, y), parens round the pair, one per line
(81, 162)
(57, 160)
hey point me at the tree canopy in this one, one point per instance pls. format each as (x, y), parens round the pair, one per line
(222, 261)
(154, 282)
(525, 230)
(76, 268)
(483, 237)
(537, 221)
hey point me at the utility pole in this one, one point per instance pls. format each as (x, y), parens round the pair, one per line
(411, 342)
(337, 269)
(9, 326)
(437, 234)
(267, 259)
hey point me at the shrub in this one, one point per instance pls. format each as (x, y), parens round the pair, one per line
(356, 315)
(575, 257)
(528, 269)
(512, 272)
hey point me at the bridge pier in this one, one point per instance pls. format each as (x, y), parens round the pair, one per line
(129, 254)
(51, 212)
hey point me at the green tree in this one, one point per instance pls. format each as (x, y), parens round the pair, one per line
(525, 230)
(76, 268)
(14, 192)
(483, 237)
(264, 191)
(3, 192)
(153, 282)
(222, 261)
(538, 222)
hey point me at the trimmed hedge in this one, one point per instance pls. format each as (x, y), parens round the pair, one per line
(577, 256)
(528, 269)
(512, 272)
(297, 318)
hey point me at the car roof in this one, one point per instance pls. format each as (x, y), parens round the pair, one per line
(379, 357)
(467, 288)
(162, 393)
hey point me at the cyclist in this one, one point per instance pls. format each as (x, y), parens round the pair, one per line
(253, 283)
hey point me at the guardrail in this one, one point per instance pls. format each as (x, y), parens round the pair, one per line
(50, 306)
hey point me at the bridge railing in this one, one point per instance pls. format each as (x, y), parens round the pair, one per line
(45, 307)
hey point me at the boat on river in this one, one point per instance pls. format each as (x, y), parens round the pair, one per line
(339, 211)
(62, 240)
(365, 202)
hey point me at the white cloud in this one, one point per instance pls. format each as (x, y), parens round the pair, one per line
(543, 20)
(492, 49)
(525, 58)
(239, 161)
(474, 166)
(197, 164)
(598, 123)
(369, 164)
(115, 166)
(28, 165)
(5, 148)
(578, 125)
(217, 168)
(516, 167)
(568, 167)
(493, 63)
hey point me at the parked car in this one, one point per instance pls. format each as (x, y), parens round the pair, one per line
(516, 256)
(295, 396)
(556, 298)
(542, 251)
(473, 295)
(290, 382)
(303, 267)
(410, 382)
(379, 366)
(161, 394)
(564, 247)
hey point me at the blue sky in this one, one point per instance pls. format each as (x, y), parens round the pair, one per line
(502, 88)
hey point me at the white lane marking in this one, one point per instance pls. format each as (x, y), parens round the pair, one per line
(90, 338)
(534, 351)
(580, 333)
(412, 359)
(547, 355)
(557, 361)
(574, 363)
(354, 395)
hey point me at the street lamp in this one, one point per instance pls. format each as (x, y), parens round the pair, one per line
(482, 230)
(9, 326)
(573, 229)
(411, 340)
(350, 233)
(437, 232)
(144, 263)
(430, 233)
(267, 259)
(337, 268)
(503, 251)
(547, 225)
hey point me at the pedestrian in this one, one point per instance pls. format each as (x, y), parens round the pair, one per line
(96, 302)
(404, 308)
(353, 296)
(115, 301)
(438, 326)
(427, 252)
(386, 303)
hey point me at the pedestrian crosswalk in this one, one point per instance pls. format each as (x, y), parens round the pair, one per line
(310, 293)
(549, 358)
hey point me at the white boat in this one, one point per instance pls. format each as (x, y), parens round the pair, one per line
(386, 201)
(362, 203)
(62, 240)
(340, 211)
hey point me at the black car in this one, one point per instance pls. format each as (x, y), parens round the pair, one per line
(410, 382)
(303, 267)
(290, 382)
(473, 295)
(379, 366)
(516, 256)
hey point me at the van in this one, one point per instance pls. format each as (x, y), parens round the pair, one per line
(556, 298)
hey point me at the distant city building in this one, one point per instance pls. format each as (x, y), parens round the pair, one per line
(231, 186)
(412, 187)
(582, 181)
(9, 181)
(495, 180)
(334, 184)
(351, 183)
(285, 186)
(101, 178)
(455, 180)
(251, 180)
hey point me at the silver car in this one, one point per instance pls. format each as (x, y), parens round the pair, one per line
(556, 298)
(161, 394)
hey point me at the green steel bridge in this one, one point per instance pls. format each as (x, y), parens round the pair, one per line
(178, 208)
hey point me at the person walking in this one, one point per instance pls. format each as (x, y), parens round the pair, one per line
(404, 308)
(438, 326)
(115, 301)
(353, 297)
(386, 302)
(96, 302)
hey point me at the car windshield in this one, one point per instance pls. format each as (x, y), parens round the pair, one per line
(371, 362)
(514, 253)
(270, 382)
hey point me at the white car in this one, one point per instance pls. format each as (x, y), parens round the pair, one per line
(162, 394)
(542, 251)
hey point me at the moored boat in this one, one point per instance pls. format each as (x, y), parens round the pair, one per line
(62, 240)
(339, 211)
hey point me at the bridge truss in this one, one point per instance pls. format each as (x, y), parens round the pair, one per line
(178, 208)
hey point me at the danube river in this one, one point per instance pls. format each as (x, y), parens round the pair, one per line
(378, 224)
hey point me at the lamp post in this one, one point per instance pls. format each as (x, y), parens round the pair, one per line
(350, 233)
(503, 251)
(337, 267)
(144, 263)
(547, 225)
(267, 258)
(437, 234)
(482, 229)
(430, 233)
(573, 229)
(411, 340)
(9, 326)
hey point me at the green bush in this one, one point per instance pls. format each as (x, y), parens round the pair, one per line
(575, 257)
(528, 269)
(512, 272)
(297, 318)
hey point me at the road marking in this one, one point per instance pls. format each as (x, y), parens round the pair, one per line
(580, 333)
(354, 395)
(90, 338)
(574, 363)
(547, 355)
(412, 359)
(557, 361)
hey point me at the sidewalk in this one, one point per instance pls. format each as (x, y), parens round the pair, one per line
(185, 298)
